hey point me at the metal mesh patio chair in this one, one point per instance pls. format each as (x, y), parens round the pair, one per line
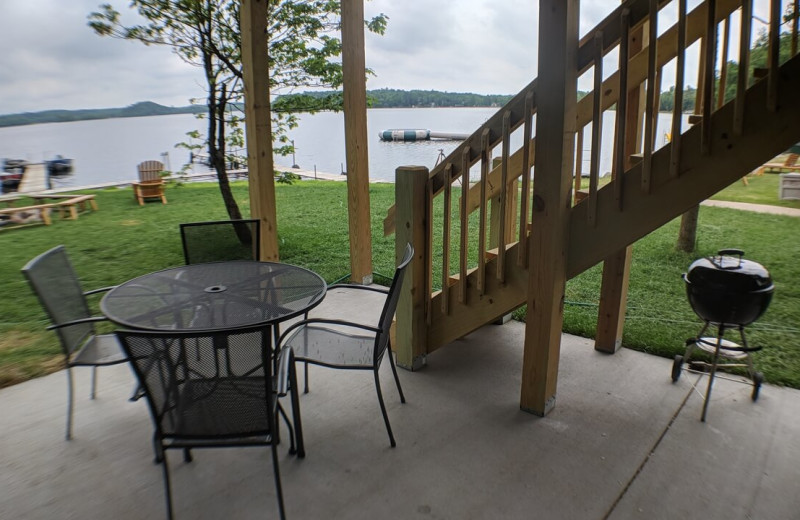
(215, 241)
(52, 278)
(226, 397)
(348, 344)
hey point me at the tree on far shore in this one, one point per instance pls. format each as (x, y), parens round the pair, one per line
(304, 46)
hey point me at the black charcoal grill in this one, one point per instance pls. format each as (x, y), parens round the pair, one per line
(728, 293)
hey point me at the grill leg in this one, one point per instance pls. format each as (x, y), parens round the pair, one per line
(713, 372)
(94, 383)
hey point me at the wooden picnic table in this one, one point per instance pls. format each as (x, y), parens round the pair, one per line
(67, 203)
(25, 215)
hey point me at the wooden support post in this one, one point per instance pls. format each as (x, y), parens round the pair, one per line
(355, 132)
(258, 124)
(617, 267)
(412, 226)
(555, 146)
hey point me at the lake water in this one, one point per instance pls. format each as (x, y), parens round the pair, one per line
(108, 150)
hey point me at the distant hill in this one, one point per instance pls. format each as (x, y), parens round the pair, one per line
(329, 100)
(144, 108)
(392, 98)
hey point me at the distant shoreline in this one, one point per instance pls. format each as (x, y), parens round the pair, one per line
(143, 109)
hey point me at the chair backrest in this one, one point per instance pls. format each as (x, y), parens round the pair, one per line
(52, 278)
(150, 170)
(791, 160)
(205, 384)
(390, 306)
(221, 240)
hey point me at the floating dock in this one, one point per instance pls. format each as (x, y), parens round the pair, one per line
(35, 178)
(417, 134)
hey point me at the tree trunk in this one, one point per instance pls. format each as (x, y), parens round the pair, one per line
(216, 154)
(687, 238)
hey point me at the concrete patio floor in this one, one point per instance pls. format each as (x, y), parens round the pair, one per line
(623, 442)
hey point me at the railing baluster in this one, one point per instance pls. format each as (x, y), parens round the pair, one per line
(501, 235)
(723, 70)
(462, 281)
(744, 66)
(522, 259)
(677, 109)
(774, 54)
(485, 160)
(652, 37)
(710, 40)
(448, 187)
(597, 128)
(578, 164)
(656, 105)
(428, 216)
(795, 21)
(622, 107)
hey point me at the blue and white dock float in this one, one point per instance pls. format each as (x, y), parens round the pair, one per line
(417, 134)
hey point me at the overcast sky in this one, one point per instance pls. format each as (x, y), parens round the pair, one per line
(51, 59)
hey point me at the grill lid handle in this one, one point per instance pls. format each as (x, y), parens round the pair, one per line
(720, 259)
(737, 252)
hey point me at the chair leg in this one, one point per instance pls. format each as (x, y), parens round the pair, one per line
(159, 450)
(396, 379)
(94, 383)
(187, 455)
(276, 435)
(277, 471)
(298, 423)
(383, 408)
(305, 378)
(167, 487)
(70, 399)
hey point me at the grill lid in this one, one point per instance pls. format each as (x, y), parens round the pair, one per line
(729, 273)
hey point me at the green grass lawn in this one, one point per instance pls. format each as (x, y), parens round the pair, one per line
(123, 240)
(760, 189)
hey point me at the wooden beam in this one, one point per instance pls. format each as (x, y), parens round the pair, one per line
(767, 135)
(617, 266)
(637, 73)
(499, 300)
(412, 227)
(555, 131)
(355, 134)
(638, 69)
(258, 124)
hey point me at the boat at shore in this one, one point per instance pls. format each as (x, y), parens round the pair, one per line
(59, 166)
(14, 170)
(11, 175)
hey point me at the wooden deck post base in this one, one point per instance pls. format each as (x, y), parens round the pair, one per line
(412, 227)
(555, 143)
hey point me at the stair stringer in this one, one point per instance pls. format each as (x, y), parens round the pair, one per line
(766, 134)
(497, 300)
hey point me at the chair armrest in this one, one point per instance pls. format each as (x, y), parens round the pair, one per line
(285, 365)
(382, 290)
(329, 322)
(102, 289)
(77, 322)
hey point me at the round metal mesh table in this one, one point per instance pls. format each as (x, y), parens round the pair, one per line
(213, 296)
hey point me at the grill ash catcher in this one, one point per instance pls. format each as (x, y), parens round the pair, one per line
(728, 293)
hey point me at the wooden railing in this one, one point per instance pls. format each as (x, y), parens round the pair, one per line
(458, 249)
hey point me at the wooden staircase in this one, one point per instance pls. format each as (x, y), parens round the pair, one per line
(490, 238)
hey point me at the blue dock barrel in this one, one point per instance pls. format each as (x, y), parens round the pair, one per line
(405, 135)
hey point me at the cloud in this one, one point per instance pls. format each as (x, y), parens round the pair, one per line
(51, 59)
